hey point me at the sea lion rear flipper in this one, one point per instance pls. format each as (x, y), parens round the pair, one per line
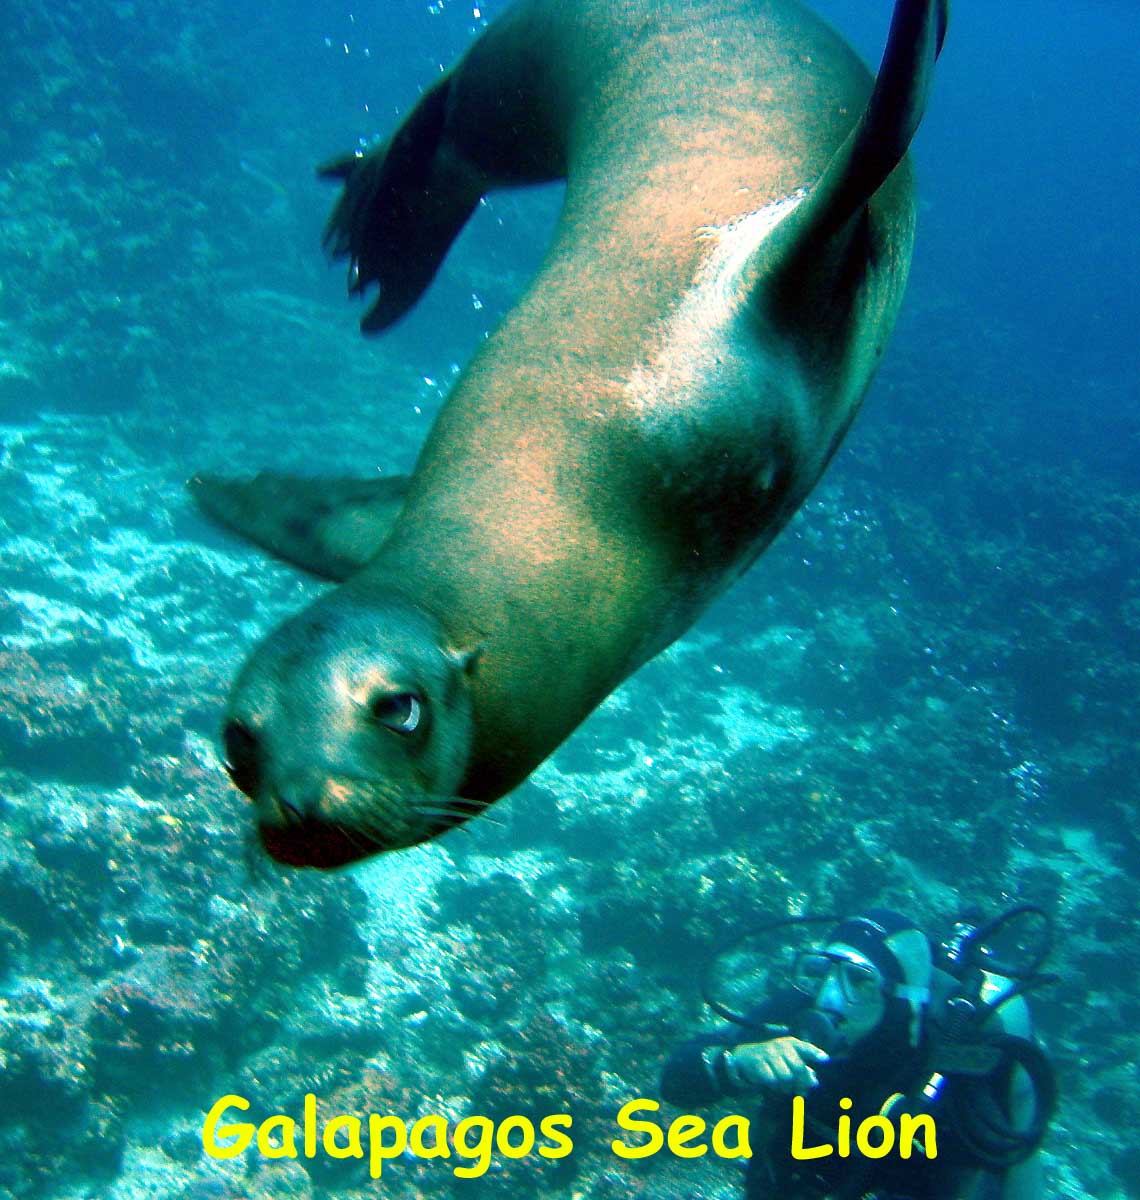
(879, 140)
(329, 527)
(402, 206)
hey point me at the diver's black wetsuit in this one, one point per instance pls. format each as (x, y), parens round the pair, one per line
(881, 1065)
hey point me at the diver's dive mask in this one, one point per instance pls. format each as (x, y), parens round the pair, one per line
(868, 958)
(858, 979)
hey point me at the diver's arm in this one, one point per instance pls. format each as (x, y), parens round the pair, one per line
(700, 1072)
(694, 1074)
(1026, 1181)
(782, 1064)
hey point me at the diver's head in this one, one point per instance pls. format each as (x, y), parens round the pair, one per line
(873, 975)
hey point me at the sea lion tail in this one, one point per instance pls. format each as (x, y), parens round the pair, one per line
(328, 527)
(402, 206)
(883, 133)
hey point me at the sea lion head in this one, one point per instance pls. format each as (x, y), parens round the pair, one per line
(349, 728)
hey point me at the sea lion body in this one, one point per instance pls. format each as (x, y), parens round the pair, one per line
(649, 415)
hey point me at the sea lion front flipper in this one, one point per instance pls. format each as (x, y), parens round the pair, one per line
(402, 206)
(878, 142)
(329, 527)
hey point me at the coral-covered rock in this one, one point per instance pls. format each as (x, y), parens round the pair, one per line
(63, 716)
(547, 1066)
(13, 945)
(50, 1123)
(148, 1037)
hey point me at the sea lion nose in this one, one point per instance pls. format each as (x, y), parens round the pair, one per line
(301, 795)
(297, 793)
(243, 760)
(293, 813)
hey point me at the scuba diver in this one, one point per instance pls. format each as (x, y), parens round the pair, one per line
(869, 1014)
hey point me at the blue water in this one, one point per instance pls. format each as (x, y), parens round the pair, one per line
(922, 694)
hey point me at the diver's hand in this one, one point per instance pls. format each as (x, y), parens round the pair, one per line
(783, 1064)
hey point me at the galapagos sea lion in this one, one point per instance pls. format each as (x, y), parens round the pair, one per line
(730, 256)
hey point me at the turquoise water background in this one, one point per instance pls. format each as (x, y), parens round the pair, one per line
(922, 695)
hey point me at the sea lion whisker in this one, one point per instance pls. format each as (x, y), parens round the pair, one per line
(462, 808)
(450, 815)
(379, 833)
(364, 780)
(366, 844)
(454, 808)
(457, 804)
(370, 835)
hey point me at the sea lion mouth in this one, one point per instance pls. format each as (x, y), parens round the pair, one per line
(318, 841)
(313, 844)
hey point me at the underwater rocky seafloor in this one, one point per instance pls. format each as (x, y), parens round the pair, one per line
(920, 695)
(823, 739)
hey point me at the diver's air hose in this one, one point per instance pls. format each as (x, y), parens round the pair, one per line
(976, 1108)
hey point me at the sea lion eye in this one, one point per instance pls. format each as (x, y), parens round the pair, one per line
(243, 757)
(401, 712)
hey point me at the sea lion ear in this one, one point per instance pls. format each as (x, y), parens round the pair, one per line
(329, 527)
(465, 661)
